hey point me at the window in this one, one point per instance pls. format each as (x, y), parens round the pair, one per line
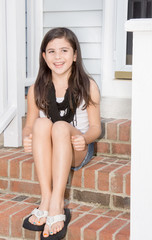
(136, 9)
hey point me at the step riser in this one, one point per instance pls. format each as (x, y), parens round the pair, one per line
(104, 181)
(115, 139)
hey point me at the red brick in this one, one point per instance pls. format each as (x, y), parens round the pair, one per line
(27, 169)
(103, 177)
(76, 178)
(15, 166)
(71, 205)
(124, 131)
(19, 149)
(128, 184)
(97, 159)
(112, 213)
(3, 184)
(112, 129)
(121, 148)
(17, 220)
(74, 216)
(99, 211)
(124, 233)
(110, 160)
(3, 154)
(84, 208)
(108, 232)
(125, 215)
(3, 168)
(124, 161)
(103, 147)
(5, 216)
(6, 205)
(89, 175)
(13, 155)
(117, 179)
(90, 231)
(8, 196)
(74, 232)
(25, 187)
(32, 200)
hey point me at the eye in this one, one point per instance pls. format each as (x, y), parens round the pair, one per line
(64, 50)
(51, 51)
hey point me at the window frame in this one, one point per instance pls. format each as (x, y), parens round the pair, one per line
(121, 41)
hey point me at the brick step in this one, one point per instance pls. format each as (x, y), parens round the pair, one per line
(104, 181)
(115, 139)
(87, 223)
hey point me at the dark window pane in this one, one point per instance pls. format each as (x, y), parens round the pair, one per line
(148, 12)
(129, 48)
(137, 10)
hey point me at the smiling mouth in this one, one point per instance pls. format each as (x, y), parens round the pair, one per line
(59, 64)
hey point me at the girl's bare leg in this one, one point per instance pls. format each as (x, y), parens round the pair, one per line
(42, 153)
(61, 164)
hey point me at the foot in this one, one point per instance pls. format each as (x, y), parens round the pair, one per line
(56, 227)
(37, 220)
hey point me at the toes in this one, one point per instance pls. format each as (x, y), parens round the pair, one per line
(46, 231)
(56, 228)
(41, 221)
(32, 220)
(45, 235)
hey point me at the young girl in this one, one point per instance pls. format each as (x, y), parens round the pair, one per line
(63, 121)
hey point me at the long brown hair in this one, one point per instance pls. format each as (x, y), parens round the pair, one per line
(78, 83)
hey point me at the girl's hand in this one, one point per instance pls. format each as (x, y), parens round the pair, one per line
(78, 142)
(27, 143)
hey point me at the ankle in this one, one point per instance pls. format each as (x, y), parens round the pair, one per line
(45, 203)
(56, 206)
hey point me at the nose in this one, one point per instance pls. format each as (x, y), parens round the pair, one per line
(57, 55)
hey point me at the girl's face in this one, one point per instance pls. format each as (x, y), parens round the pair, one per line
(59, 57)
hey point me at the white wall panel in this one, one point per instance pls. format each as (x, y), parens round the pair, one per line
(72, 19)
(91, 50)
(73, 5)
(92, 66)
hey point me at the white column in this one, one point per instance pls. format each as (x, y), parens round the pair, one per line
(108, 44)
(141, 162)
(16, 69)
(3, 52)
(34, 38)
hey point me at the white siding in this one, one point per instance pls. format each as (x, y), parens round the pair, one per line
(84, 17)
(72, 5)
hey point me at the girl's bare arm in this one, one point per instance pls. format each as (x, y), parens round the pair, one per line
(32, 115)
(80, 141)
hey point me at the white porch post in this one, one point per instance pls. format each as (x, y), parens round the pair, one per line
(3, 65)
(108, 36)
(16, 69)
(141, 163)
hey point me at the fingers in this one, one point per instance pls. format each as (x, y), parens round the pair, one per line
(78, 142)
(27, 143)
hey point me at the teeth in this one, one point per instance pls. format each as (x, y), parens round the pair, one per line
(58, 64)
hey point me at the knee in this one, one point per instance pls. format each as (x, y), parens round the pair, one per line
(42, 126)
(61, 129)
